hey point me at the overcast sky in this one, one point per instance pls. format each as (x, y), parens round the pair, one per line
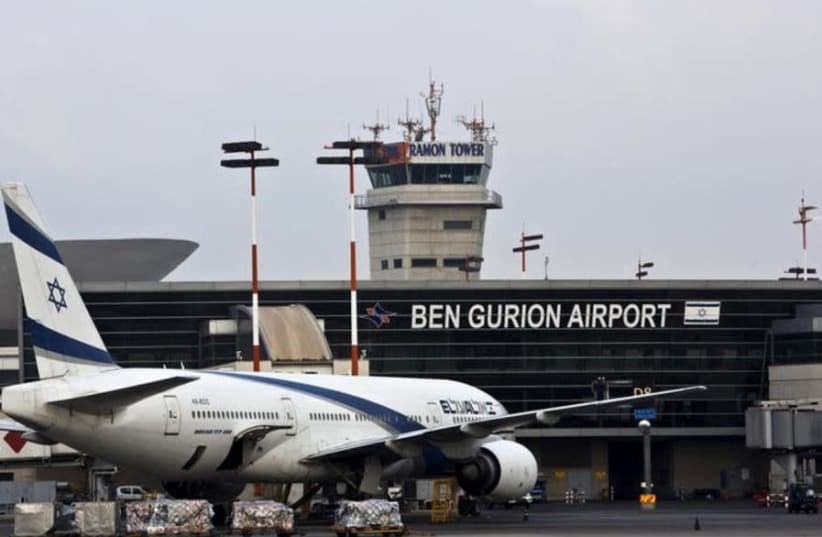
(684, 132)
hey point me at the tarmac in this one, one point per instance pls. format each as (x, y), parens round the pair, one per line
(696, 518)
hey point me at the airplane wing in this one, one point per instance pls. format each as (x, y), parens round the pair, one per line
(482, 427)
(101, 402)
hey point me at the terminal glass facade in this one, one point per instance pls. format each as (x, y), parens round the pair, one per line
(529, 344)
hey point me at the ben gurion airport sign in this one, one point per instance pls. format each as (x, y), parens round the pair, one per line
(565, 315)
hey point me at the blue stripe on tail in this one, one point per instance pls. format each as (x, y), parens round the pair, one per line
(53, 341)
(32, 236)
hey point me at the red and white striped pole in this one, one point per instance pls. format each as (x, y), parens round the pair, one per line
(255, 299)
(251, 147)
(352, 145)
(355, 345)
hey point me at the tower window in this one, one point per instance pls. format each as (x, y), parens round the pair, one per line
(458, 224)
(381, 214)
(384, 264)
(420, 262)
(398, 262)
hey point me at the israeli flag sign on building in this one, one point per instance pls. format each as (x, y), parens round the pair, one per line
(702, 313)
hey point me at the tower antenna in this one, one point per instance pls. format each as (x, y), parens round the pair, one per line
(414, 131)
(480, 132)
(433, 102)
(377, 127)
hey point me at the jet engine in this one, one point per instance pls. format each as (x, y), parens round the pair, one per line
(213, 491)
(502, 470)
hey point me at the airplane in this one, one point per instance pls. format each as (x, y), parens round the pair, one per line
(207, 433)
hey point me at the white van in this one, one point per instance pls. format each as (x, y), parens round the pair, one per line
(129, 493)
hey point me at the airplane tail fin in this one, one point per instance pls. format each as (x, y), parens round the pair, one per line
(64, 337)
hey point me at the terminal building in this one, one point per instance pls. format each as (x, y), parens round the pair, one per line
(529, 343)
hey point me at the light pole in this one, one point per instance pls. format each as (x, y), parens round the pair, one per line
(352, 145)
(251, 148)
(641, 269)
(472, 264)
(800, 271)
(804, 219)
(647, 486)
(524, 246)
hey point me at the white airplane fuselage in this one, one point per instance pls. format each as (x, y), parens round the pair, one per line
(187, 432)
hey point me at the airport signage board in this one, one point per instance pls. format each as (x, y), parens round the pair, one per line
(433, 152)
(540, 316)
(644, 414)
(562, 315)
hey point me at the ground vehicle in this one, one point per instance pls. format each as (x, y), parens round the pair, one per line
(766, 498)
(538, 492)
(129, 493)
(802, 498)
(526, 500)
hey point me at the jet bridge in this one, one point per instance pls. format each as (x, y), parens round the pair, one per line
(789, 427)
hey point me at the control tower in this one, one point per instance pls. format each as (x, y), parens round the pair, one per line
(426, 208)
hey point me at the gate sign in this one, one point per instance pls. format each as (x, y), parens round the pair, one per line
(644, 414)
